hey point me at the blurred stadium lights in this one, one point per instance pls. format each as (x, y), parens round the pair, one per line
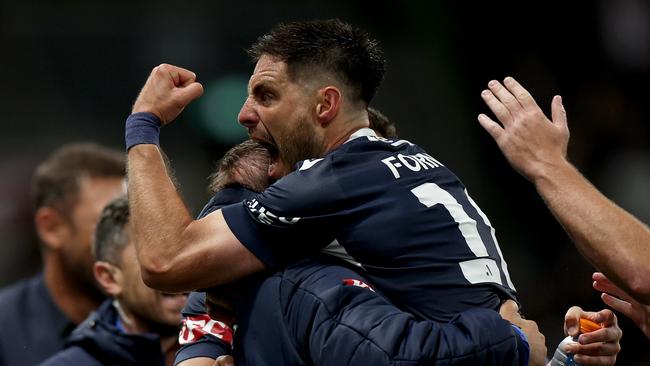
(217, 109)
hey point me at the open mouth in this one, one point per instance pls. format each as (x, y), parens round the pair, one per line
(271, 148)
(275, 168)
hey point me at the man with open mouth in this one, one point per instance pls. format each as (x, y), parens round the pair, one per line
(384, 207)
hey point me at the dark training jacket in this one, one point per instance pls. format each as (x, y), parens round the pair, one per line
(98, 341)
(316, 313)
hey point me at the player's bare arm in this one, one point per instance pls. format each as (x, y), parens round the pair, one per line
(614, 241)
(171, 246)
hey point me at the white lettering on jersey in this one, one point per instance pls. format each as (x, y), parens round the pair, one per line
(267, 217)
(414, 163)
(309, 163)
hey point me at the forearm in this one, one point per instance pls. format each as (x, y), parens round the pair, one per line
(177, 253)
(614, 241)
(158, 214)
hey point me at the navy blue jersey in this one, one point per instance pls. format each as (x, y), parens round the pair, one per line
(393, 211)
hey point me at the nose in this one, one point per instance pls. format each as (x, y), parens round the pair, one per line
(247, 116)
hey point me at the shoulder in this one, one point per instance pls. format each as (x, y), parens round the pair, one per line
(14, 298)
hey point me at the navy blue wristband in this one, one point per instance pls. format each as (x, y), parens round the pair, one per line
(142, 128)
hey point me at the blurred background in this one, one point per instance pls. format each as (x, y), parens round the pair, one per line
(71, 70)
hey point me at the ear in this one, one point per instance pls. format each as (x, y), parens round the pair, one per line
(329, 104)
(109, 277)
(52, 227)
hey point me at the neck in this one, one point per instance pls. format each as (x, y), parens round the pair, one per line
(130, 322)
(342, 128)
(168, 344)
(71, 297)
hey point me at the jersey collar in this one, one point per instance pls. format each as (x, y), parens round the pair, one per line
(362, 132)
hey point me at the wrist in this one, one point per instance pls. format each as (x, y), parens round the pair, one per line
(548, 173)
(142, 128)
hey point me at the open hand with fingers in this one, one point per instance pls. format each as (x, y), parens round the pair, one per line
(532, 143)
(620, 301)
(168, 90)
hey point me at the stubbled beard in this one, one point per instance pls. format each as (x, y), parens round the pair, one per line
(83, 275)
(153, 322)
(298, 143)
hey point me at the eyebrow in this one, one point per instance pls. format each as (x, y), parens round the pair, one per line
(261, 87)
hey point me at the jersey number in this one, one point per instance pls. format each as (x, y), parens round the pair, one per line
(482, 269)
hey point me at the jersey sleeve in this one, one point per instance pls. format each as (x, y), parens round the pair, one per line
(294, 217)
(200, 335)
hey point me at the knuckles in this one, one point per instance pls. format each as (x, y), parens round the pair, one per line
(162, 69)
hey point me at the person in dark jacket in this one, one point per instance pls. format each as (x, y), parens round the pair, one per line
(69, 190)
(136, 325)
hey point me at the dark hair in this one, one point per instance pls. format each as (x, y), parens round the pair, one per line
(56, 180)
(110, 237)
(381, 124)
(331, 46)
(245, 164)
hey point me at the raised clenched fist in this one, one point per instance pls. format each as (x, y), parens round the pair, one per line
(168, 90)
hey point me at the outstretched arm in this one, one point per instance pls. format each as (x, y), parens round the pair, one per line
(175, 252)
(614, 241)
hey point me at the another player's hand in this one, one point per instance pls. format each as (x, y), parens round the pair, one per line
(619, 300)
(510, 312)
(595, 348)
(531, 142)
(168, 90)
(224, 361)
